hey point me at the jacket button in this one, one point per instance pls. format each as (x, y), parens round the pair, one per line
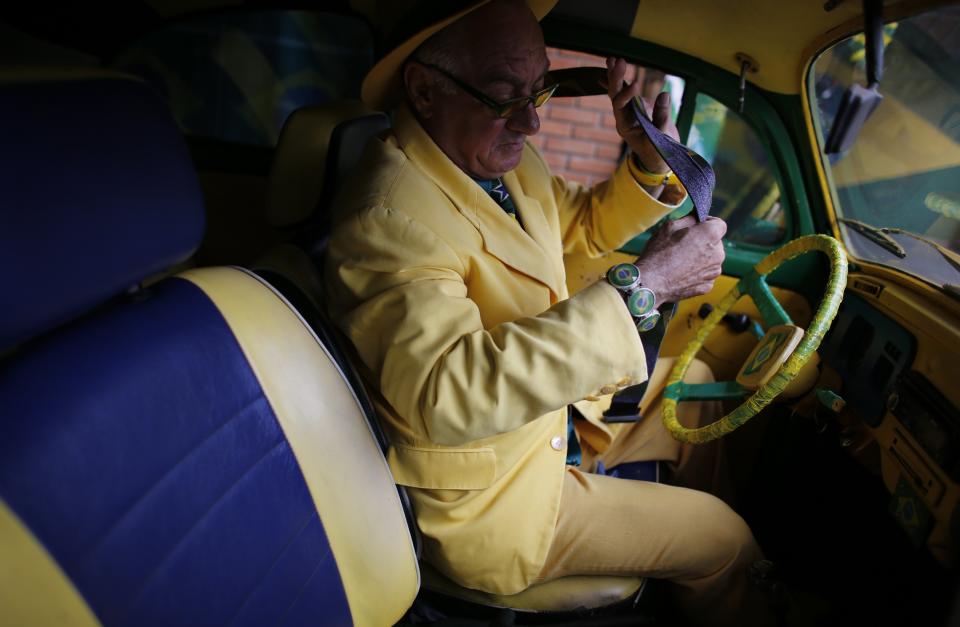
(608, 389)
(558, 443)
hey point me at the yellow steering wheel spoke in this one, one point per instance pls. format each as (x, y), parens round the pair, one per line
(774, 315)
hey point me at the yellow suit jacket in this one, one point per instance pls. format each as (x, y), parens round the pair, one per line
(463, 324)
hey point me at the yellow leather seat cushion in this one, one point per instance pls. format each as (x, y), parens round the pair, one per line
(559, 595)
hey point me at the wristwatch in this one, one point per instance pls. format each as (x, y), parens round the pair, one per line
(640, 300)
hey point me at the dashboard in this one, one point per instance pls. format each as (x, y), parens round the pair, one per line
(898, 359)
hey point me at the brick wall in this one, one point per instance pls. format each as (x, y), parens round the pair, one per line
(578, 136)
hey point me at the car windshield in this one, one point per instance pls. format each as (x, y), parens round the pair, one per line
(897, 189)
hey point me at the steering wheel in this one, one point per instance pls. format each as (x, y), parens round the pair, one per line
(778, 357)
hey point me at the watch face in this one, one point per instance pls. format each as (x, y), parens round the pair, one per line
(641, 302)
(645, 324)
(623, 275)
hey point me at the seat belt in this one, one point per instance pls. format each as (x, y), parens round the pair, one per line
(695, 174)
(698, 178)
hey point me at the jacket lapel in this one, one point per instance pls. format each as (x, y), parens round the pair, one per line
(502, 236)
(536, 228)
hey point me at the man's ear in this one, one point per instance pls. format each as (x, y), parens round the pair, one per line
(419, 86)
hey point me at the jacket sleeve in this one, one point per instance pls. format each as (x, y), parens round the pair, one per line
(398, 291)
(599, 219)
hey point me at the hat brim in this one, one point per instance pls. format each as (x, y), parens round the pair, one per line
(382, 86)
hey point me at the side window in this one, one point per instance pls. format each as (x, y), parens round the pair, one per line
(747, 195)
(237, 76)
(578, 136)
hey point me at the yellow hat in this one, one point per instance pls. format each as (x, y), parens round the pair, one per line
(382, 86)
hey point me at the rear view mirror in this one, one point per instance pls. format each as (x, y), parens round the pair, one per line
(857, 105)
(859, 102)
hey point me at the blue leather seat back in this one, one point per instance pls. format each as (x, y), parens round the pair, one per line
(97, 193)
(186, 453)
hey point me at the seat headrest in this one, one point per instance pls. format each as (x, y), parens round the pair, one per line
(98, 192)
(317, 146)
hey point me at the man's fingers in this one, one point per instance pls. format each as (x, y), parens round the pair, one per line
(627, 94)
(685, 257)
(713, 228)
(661, 110)
(717, 226)
(704, 288)
(682, 223)
(621, 92)
(616, 69)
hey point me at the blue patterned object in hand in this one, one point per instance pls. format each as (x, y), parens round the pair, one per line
(694, 172)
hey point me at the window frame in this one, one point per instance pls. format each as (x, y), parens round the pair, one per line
(777, 119)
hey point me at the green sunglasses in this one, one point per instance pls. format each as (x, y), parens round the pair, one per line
(505, 109)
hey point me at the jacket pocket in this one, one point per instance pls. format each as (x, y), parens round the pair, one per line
(443, 469)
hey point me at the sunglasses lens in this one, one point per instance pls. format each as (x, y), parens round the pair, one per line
(512, 108)
(542, 97)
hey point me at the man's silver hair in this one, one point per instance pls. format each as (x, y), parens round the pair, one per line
(443, 49)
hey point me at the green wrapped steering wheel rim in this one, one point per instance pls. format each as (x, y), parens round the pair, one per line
(754, 284)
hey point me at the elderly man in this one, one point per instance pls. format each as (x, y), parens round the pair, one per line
(446, 272)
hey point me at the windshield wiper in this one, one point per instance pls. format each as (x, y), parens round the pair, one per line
(877, 235)
(952, 258)
(881, 235)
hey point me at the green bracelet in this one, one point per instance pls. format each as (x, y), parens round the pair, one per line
(649, 321)
(640, 300)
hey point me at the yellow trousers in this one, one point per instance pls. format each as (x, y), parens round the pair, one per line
(609, 525)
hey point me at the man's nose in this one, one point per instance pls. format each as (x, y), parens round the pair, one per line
(525, 121)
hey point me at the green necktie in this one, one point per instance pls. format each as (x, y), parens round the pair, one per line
(498, 191)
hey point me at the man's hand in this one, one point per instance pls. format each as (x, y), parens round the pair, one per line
(627, 126)
(683, 258)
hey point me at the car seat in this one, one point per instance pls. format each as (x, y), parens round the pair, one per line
(183, 453)
(318, 146)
